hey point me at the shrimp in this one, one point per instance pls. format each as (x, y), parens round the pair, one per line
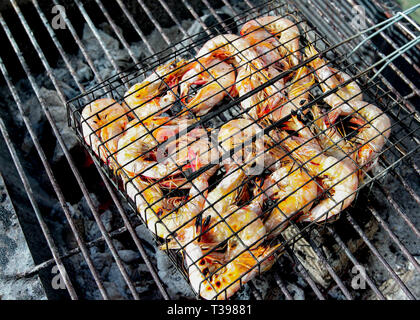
(161, 219)
(224, 195)
(136, 142)
(250, 68)
(331, 78)
(338, 179)
(371, 137)
(143, 98)
(296, 191)
(196, 142)
(286, 31)
(210, 280)
(330, 139)
(273, 96)
(237, 137)
(103, 121)
(217, 79)
(233, 49)
(298, 94)
(266, 46)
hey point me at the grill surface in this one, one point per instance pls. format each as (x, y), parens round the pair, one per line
(403, 143)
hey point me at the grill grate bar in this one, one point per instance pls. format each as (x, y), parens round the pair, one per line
(398, 209)
(97, 36)
(58, 45)
(282, 286)
(116, 200)
(47, 263)
(154, 21)
(48, 170)
(135, 26)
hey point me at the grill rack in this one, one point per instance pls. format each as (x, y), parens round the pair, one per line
(112, 87)
(128, 225)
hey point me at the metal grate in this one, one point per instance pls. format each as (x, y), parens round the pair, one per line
(403, 141)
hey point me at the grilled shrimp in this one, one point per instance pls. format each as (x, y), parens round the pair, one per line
(330, 139)
(234, 49)
(296, 191)
(330, 78)
(217, 79)
(239, 226)
(209, 279)
(266, 46)
(371, 137)
(245, 139)
(336, 177)
(103, 121)
(286, 31)
(273, 96)
(143, 98)
(224, 195)
(137, 143)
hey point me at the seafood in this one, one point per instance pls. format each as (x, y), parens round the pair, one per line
(217, 79)
(224, 195)
(373, 133)
(239, 266)
(135, 154)
(284, 29)
(143, 98)
(103, 121)
(266, 46)
(233, 49)
(331, 78)
(339, 181)
(295, 189)
(274, 96)
(302, 173)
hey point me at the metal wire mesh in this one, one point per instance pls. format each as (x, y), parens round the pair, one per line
(404, 132)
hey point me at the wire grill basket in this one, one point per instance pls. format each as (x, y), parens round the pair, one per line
(163, 171)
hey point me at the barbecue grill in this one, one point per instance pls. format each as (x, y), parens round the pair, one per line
(319, 25)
